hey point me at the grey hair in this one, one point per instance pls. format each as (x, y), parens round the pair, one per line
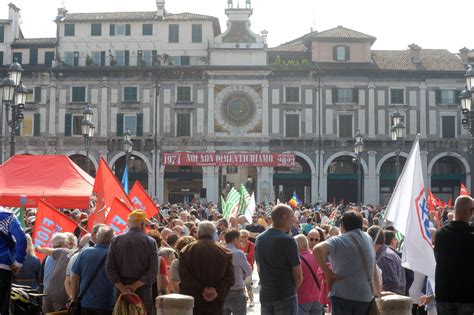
(58, 240)
(206, 228)
(71, 239)
(84, 240)
(105, 235)
(302, 241)
(166, 252)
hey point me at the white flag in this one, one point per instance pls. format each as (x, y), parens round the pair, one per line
(408, 211)
(250, 208)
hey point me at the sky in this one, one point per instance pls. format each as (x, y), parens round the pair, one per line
(395, 23)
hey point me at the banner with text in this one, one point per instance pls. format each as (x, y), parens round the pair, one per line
(228, 159)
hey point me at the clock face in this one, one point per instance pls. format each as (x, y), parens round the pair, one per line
(238, 109)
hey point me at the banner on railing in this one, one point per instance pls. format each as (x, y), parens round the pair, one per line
(228, 159)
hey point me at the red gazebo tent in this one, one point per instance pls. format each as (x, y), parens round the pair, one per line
(54, 178)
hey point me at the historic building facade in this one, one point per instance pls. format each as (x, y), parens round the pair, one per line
(181, 85)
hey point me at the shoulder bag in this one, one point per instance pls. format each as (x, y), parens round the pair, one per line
(374, 308)
(312, 272)
(75, 307)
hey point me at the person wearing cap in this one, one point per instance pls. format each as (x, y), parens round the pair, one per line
(132, 260)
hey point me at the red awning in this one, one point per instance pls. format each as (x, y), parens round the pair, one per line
(54, 178)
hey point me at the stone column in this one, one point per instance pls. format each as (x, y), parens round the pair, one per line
(264, 184)
(210, 181)
(210, 110)
(52, 111)
(372, 113)
(103, 111)
(370, 180)
(424, 168)
(265, 116)
(160, 189)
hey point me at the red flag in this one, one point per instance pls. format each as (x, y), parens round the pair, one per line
(464, 191)
(450, 202)
(49, 221)
(431, 201)
(141, 200)
(118, 216)
(106, 189)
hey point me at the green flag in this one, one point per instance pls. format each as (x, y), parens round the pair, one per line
(20, 215)
(244, 199)
(231, 204)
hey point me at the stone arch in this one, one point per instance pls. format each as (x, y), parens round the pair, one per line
(453, 154)
(343, 153)
(386, 157)
(304, 157)
(31, 152)
(84, 153)
(136, 153)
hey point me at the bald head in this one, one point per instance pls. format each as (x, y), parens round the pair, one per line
(463, 208)
(282, 216)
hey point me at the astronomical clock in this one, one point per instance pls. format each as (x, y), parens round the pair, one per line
(238, 109)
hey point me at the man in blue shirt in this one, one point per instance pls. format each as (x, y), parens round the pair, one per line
(236, 300)
(278, 265)
(100, 296)
(12, 254)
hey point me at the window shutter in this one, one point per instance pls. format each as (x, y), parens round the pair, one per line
(127, 29)
(37, 94)
(37, 122)
(334, 53)
(139, 124)
(438, 96)
(119, 124)
(348, 53)
(334, 95)
(127, 58)
(355, 95)
(33, 56)
(112, 30)
(102, 58)
(68, 125)
(457, 94)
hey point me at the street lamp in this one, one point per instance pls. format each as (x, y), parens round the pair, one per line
(358, 149)
(87, 130)
(127, 145)
(397, 134)
(14, 98)
(466, 99)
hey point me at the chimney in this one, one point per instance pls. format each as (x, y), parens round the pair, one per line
(14, 16)
(463, 54)
(61, 13)
(160, 8)
(415, 51)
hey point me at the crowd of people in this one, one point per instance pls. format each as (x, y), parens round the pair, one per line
(310, 260)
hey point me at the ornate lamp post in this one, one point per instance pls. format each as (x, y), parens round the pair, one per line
(358, 149)
(397, 134)
(87, 129)
(14, 98)
(466, 98)
(127, 145)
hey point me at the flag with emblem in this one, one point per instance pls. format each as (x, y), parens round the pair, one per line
(408, 211)
(244, 199)
(231, 206)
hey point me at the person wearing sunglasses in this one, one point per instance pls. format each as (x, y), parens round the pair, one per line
(313, 238)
